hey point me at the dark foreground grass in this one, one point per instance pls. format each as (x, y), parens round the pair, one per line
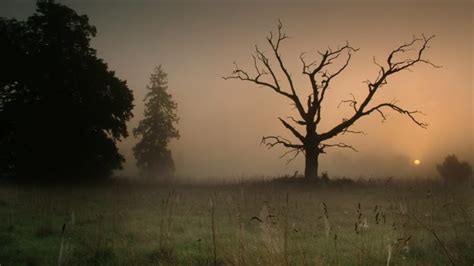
(254, 224)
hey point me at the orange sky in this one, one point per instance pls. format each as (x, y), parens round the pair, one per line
(222, 122)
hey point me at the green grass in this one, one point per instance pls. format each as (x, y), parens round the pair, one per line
(126, 224)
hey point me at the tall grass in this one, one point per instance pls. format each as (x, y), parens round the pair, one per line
(244, 224)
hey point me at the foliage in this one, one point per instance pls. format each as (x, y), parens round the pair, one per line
(156, 129)
(62, 109)
(453, 171)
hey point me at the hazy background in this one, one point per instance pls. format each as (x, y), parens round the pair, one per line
(222, 122)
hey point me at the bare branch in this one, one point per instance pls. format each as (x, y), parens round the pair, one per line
(323, 146)
(352, 102)
(400, 65)
(393, 106)
(272, 141)
(329, 77)
(353, 131)
(243, 75)
(261, 56)
(275, 44)
(293, 130)
(295, 152)
(299, 122)
(392, 68)
(328, 58)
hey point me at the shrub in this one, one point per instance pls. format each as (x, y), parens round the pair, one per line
(454, 172)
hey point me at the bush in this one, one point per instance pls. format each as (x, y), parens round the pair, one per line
(454, 172)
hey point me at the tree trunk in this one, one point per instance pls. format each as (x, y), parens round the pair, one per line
(311, 164)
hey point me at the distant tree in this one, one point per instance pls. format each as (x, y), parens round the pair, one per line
(61, 110)
(453, 171)
(313, 141)
(156, 129)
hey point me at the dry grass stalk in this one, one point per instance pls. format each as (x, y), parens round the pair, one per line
(166, 223)
(269, 233)
(241, 237)
(327, 224)
(213, 228)
(61, 248)
(389, 255)
(433, 232)
(285, 231)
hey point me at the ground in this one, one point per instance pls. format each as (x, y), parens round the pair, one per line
(240, 224)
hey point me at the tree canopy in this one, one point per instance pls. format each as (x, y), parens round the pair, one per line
(156, 129)
(62, 109)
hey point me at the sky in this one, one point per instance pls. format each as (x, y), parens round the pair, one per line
(222, 121)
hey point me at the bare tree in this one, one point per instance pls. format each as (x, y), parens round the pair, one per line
(320, 74)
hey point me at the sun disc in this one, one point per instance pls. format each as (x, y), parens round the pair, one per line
(417, 162)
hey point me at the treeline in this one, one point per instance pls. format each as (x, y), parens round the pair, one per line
(63, 111)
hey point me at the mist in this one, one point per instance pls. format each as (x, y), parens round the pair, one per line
(168, 137)
(222, 122)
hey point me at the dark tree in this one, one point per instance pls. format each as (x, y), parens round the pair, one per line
(311, 140)
(62, 110)
(156, 129)
(453, 171)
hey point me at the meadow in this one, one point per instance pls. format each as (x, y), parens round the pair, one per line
(248, 223)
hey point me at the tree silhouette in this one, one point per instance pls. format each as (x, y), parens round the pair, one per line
(62, 110)
(453, 171)
(320, 74)
(156, 129)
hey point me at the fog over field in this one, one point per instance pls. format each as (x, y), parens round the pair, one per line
(161, 138)
(222, 122)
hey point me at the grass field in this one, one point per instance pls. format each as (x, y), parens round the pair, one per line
(242, 224)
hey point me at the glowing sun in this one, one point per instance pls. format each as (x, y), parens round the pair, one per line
(417, 162)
